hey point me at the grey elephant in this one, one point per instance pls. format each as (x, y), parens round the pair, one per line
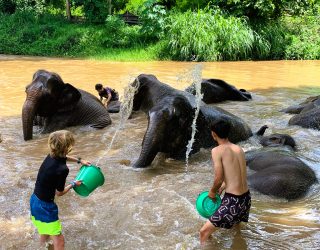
(170, 116)
(278, 171)
(216, 90)
(307, 113)
(55, 105)
(275, 140)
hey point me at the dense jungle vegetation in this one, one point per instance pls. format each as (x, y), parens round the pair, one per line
(186, 30)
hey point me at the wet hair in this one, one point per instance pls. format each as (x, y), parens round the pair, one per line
(98, 86)
(221, 128)
(60, 143)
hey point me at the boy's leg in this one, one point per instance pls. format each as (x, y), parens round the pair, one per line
(58, 242)
(206, 230)
(43, 239)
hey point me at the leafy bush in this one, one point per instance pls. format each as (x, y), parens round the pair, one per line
(37, 7)
(7, 6)
(152, 16)
(304, 37)
(95, 11)
(209, 36)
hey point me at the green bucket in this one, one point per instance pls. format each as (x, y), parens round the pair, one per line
(206, 206)
(91, 177)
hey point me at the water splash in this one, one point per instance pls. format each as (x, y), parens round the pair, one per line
(196, 76)
(125, 110)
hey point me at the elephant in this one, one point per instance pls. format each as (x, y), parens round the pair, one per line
(278, 171)
(275, 140)
(114, 107)
(307, 113)
(216, 90)
(55, 105)
(170, 115)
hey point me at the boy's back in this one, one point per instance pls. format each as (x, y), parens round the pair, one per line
(233, 163)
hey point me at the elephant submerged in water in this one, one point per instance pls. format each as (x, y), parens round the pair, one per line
(307, 113)
(170, 116)
(216, 90)
(55, 105)
(278, 171)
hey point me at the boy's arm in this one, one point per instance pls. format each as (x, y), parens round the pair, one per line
(66, 190)
(109, 97)
(218, 173)
(78, 160)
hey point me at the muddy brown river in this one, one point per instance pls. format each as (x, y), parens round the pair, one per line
(154, 208)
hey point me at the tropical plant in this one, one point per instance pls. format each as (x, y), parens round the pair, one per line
(210, 36)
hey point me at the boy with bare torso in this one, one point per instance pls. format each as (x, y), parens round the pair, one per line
(230, 175)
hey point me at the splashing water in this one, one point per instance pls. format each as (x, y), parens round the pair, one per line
(196, 76)
(125, 110)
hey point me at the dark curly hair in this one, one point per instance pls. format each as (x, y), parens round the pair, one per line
(98, 86)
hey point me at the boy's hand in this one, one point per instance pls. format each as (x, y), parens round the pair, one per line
(78, 183)
(212, 196)
(84, 162)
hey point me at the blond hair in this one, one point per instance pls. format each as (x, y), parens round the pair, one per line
(60, 143)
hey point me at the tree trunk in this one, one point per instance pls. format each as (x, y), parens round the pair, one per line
(109, 7)
(68, 12)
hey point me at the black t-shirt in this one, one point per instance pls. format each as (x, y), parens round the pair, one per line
(51, 177)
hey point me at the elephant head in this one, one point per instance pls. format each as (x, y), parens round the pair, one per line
(276, 139)
(166, 121)
(216, 90)
(46, 95)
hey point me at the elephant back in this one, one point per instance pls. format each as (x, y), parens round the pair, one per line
(240, 130)
(90, 111)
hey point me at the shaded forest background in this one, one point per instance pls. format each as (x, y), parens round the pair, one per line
(186, 30)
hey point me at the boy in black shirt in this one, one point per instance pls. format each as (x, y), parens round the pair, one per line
(51, 181)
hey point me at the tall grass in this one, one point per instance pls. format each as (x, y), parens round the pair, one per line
(210, 36)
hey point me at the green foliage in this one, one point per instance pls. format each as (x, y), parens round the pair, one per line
(26, 34)
(133, 6)
(95, 11)
(265, 9)
(209, 36)
(304, 38)
(7, 6)
(270, 41)
(35, 6)
(185, 5)
(152, 16)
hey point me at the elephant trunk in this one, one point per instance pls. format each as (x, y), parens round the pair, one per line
(28, 114)
(151, 142)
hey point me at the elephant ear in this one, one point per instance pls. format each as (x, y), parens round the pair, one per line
(69, 97)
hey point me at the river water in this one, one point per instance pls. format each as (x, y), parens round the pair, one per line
(154, 208)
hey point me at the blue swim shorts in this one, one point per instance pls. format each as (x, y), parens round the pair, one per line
(44, 216)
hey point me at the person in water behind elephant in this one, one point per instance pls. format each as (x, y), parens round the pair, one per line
(51, 181)
(108, 93)
(230, 174)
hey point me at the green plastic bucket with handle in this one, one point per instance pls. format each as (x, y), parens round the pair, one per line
(91, 177)
(206, 206)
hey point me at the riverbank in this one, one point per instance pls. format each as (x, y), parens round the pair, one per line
(224, 39)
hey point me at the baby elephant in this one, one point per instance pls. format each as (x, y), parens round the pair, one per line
(278, 171)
